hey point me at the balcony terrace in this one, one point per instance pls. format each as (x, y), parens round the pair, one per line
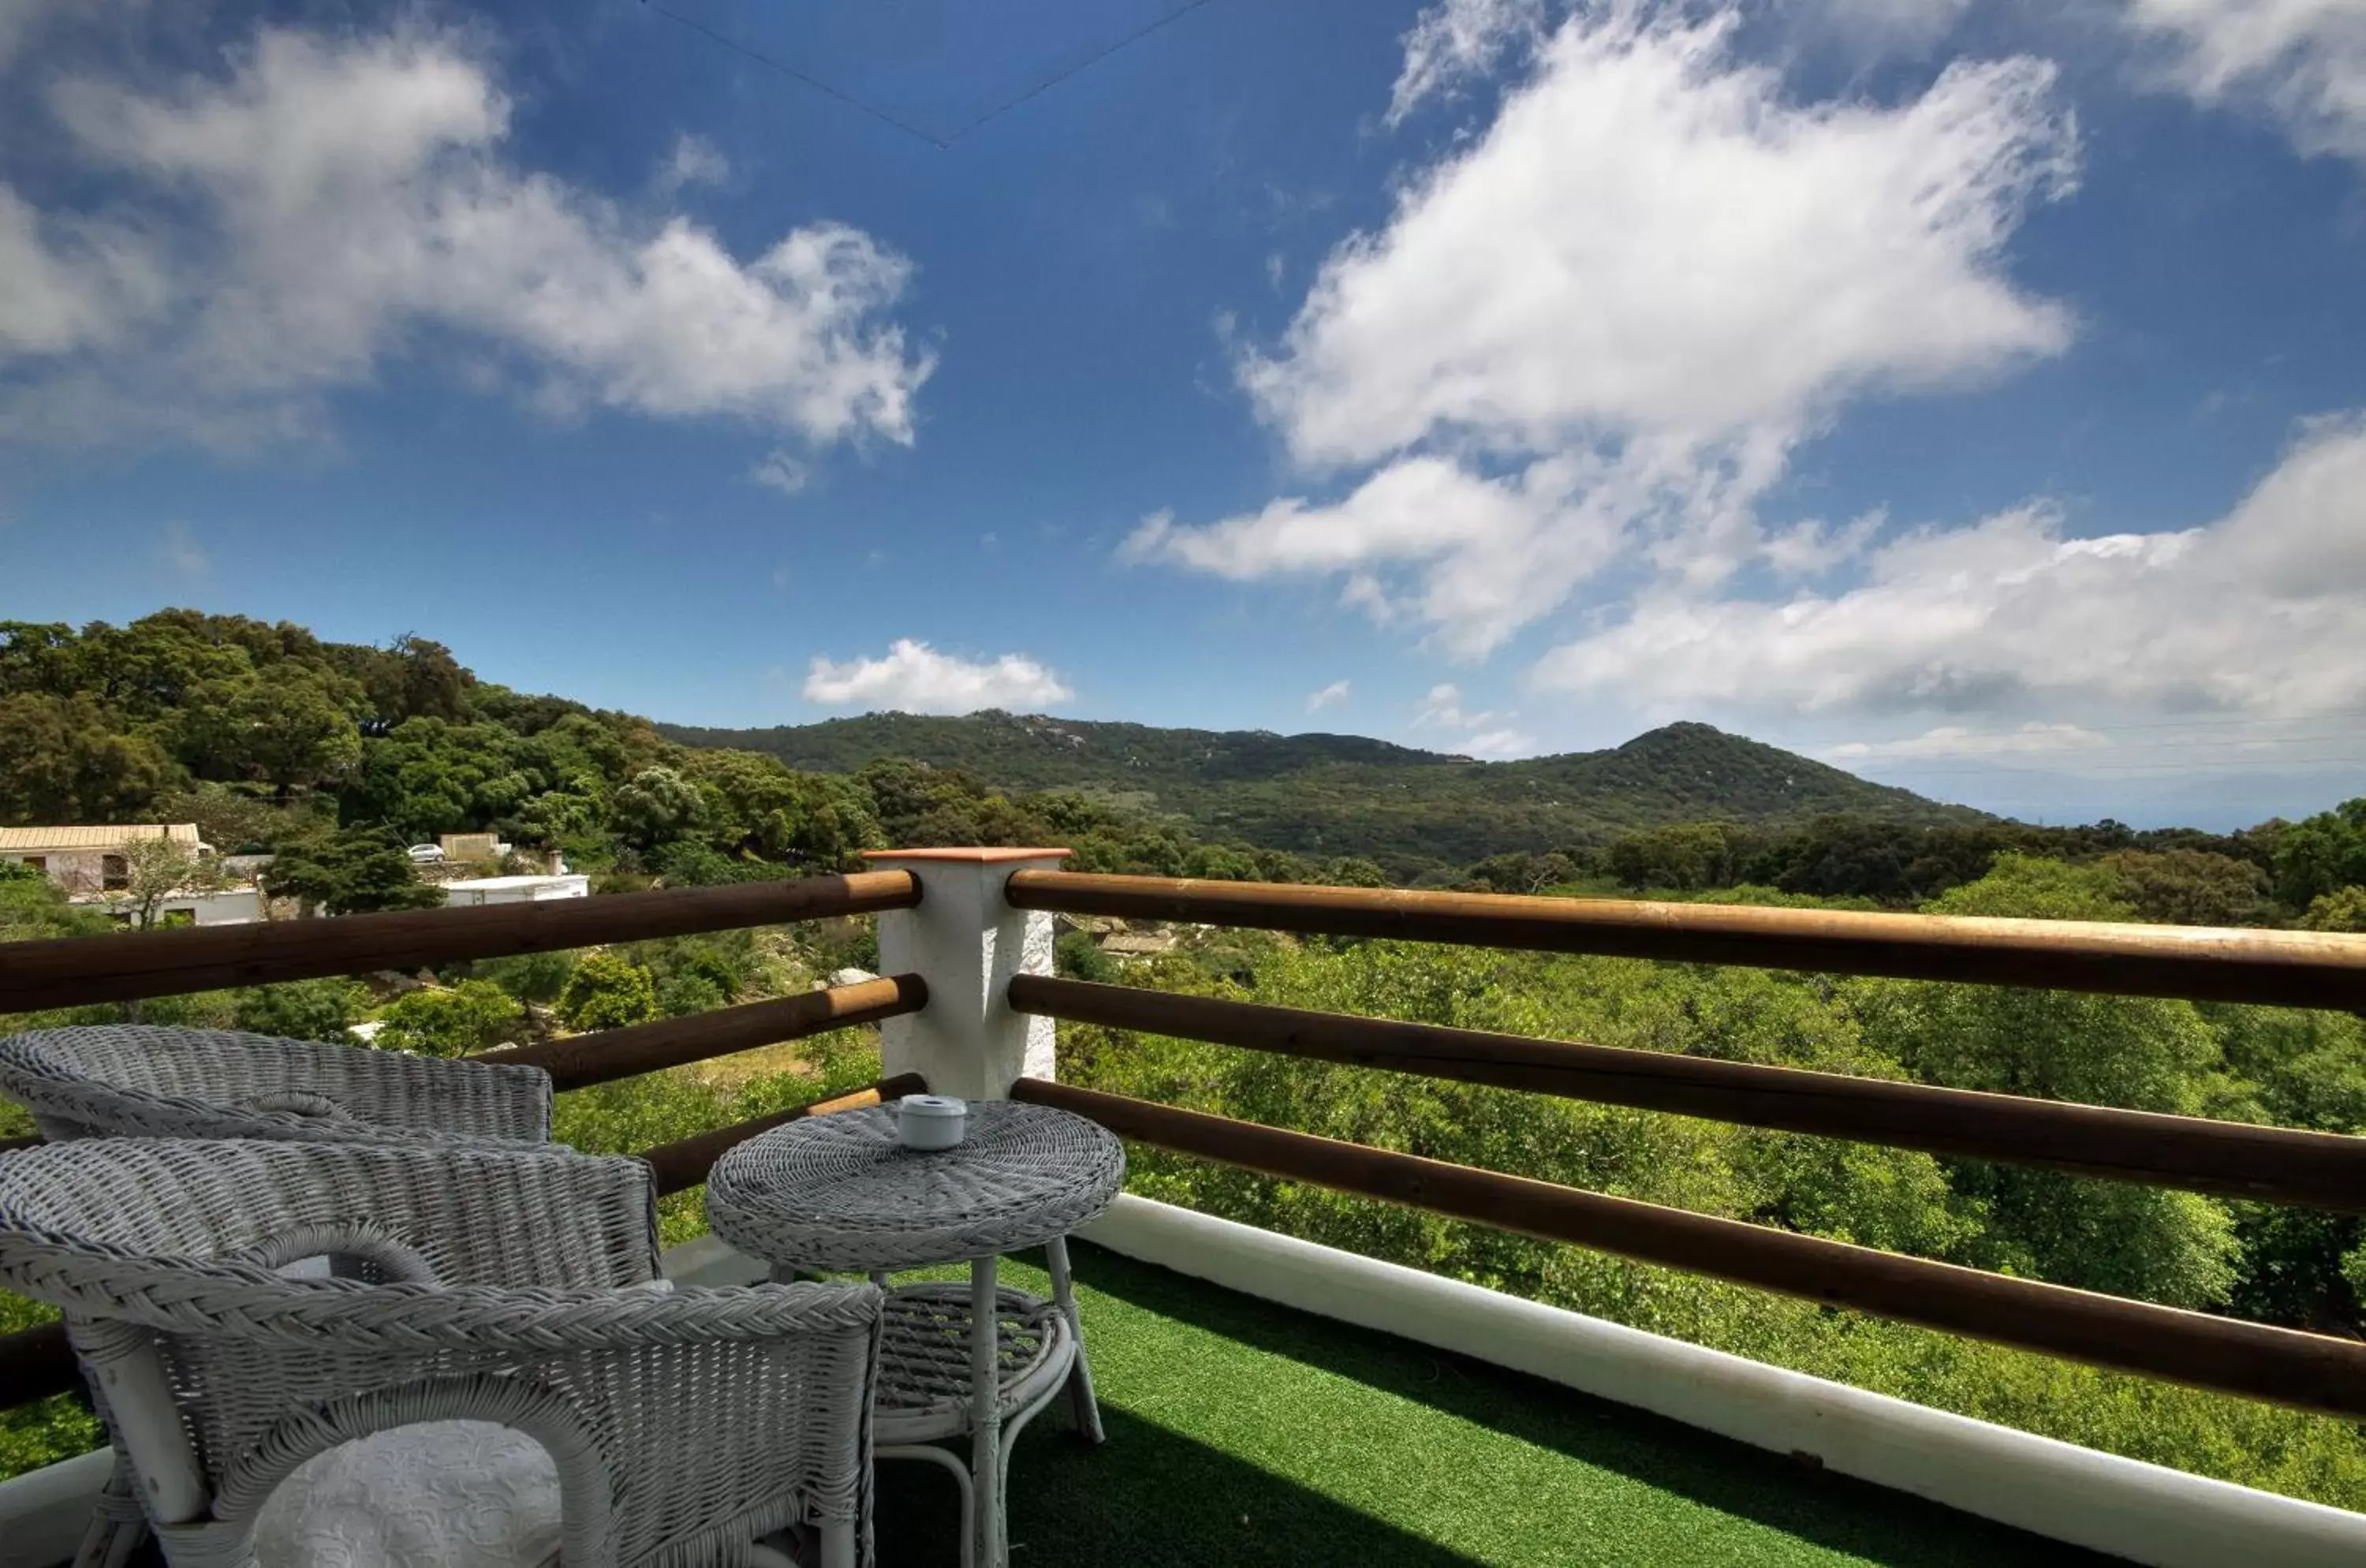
(1270, 1400)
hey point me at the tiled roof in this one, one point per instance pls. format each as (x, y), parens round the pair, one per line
(103, 837)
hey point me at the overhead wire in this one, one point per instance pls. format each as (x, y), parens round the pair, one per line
(882, 115)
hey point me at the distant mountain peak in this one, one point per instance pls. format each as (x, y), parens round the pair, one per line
(1327, 794)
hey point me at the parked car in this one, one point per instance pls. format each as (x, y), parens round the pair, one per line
(427, 854)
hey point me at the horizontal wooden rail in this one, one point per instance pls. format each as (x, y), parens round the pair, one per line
(2203, 963)
(2232, 1159)
(613, 1054)
(69, 971)
(686, 1163)
(2311, 1372)
(36, 1363)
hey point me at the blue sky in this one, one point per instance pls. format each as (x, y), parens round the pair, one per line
(1967, 394)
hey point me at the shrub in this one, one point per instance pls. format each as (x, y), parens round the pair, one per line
(300, 1010)
(608, 991)
(530, 977)
(475, 1015)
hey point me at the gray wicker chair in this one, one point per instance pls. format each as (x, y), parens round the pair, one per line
(149, 1082)
(511, 1287)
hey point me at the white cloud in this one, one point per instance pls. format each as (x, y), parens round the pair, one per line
(1957, 740)
(781, 472)
(1651, 236)
(1493, 745)
(1456, 41)
(1595, 332)
(180, 552)
(695, 160)
(2302, 61)
(1337, 692)
(70, 282)
(1442, 708)
(333, 203)
(2260, 613)
(912, 677)
(1876, 30)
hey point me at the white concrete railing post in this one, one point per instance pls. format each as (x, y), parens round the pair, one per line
(966, 941)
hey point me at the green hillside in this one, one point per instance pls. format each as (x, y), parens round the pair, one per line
(1346, 794)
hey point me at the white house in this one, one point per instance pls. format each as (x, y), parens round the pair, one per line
(89, 860)
(475, 890)
(230, 907)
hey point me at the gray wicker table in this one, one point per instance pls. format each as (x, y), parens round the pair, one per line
(840, 1192)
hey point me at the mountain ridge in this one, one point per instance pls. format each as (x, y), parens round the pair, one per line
(1325, 794)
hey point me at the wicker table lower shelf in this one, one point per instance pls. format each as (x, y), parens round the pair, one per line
(924, 1360)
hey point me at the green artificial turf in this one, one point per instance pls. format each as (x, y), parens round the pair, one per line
(1241, 1433)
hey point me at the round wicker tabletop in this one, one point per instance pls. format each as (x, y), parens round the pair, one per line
(839, 1191)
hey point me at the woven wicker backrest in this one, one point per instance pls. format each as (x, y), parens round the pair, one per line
(517, 1308)
(146, 1205)
(149, 1080)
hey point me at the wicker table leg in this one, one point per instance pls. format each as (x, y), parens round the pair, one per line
(1081, 1404)
(986, 1446)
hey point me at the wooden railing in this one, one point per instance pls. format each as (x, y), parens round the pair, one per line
(2312, 1372)
(69, 971)
(38, 1362)
(2307, 969)
(2234, 1159)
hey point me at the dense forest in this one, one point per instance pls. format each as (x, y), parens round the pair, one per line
(2296, 1266)
(1420, 815)
(334, 756)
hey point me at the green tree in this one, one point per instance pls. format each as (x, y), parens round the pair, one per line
(608, 991)
(351, 870)
(2343, 909)
(32, 908)
(62, 760)
(2190, 888)
(302, 1009)
(538, 977)
(1685, 857)
(230, 818)
(657, 807)
(154, 870)
(428, 776)
(680, 996)
(410, 678)
(293, 730)
(1079, 957)
(473, 1016)
(2321, 854)
(2142, 1054)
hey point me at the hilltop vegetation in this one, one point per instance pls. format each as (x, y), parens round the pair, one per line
(333, 756)
(1420, 815)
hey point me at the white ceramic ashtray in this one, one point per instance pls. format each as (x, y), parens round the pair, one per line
(930, 1121)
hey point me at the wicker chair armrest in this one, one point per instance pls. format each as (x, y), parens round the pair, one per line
(487, 1325)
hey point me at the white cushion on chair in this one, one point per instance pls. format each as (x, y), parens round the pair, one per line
(438, 1494)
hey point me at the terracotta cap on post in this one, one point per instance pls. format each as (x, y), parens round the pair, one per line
(967, 856)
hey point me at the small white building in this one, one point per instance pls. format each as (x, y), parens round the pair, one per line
(230, 907)
(86, 861)
(469, 892)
